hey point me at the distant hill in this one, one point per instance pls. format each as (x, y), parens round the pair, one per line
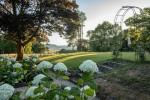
(58, 47)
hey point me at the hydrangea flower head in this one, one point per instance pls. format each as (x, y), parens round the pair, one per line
(89, 66)
(44, 65)
(37, 79)
(9, 63)
(17, 65)
(30, 92)
(60, 67)
(67, 88)
(6, 91)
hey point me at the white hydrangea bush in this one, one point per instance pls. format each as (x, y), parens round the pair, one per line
(17, 65)
(6, 91)
(89, 66)
(86, 66)
(37, 79)
(44, 65)
(60, 67)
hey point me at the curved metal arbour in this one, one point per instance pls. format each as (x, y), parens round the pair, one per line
(122, 13)
(119, 20)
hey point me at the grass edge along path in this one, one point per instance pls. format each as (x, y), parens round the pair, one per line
(60, 56)
(73, 57)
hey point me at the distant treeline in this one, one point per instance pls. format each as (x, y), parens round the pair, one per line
(7, 46)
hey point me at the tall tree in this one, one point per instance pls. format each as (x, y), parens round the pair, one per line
(75, 39)
(140, 28)
(82, 19)
(101, 37)
(22, 20)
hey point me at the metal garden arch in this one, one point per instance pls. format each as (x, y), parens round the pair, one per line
(119, 18)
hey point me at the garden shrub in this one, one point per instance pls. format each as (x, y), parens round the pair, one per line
(48, 82)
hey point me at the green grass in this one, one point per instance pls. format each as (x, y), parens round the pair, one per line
(97, 57)
(73, 60)
(131, 56)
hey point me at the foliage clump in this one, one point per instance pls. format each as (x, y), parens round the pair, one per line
(50, 82)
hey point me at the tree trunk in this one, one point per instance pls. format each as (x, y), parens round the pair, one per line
(20, 51)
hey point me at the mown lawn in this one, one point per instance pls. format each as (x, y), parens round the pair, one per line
(97, 57)
(131, 56)
(73, 60)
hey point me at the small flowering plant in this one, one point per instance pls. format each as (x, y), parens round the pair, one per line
(60, 70)
(60, 67)
(17, 65)
(88, 69)
(89, 66)
(44, 65)
(11, 71)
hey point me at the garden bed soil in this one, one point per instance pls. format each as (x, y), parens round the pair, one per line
(122, 85)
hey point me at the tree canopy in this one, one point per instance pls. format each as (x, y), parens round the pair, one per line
(22, 20)
(76, 37)
(140, 29)
(101, 37)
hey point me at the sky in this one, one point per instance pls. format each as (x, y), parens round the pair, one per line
(98, 11)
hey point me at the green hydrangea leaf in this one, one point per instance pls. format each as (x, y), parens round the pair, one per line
(89, 92)
(38, 90)
(65, 77)
(80, 81)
